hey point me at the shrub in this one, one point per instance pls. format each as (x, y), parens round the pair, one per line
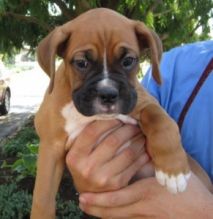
(67, 210)
(14, 203)
(25, 165)
(18, 144)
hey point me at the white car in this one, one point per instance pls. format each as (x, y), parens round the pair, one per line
(5, 93)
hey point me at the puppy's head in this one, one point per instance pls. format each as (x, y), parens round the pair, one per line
(101, 51)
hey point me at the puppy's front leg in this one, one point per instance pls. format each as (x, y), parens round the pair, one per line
(50, 168)
(165, 148)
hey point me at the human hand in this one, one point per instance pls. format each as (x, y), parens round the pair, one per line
(147, 199)
(100, 167)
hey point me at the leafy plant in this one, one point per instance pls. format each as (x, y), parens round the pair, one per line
(25, 165)
(67, 210)
(18, 144)
(14, 203)
(175, 21)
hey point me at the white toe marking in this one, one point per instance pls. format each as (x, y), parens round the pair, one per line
(171, 184)
(174, 183)
(160, 177)
(181, 182)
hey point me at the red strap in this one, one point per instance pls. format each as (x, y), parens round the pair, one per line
(194, 93)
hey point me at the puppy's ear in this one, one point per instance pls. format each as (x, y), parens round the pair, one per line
(47, 49)
(148, 39)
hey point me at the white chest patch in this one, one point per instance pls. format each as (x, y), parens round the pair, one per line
(75, 122)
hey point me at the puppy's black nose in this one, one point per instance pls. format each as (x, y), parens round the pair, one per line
(108, 95)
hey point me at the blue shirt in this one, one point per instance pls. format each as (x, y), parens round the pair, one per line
(181, 69)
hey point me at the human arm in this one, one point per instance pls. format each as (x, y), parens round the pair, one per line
(147, 199)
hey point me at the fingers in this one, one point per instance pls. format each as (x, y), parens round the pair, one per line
(126, 158)
(108, 147)
(108, 181)
(124, 203)
(85, 142)
(146, 171)
(98, 166)
(118, 212)
(122, 197)
(117, 172)
(124, 178)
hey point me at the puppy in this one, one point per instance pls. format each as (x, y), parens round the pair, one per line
(97, 79)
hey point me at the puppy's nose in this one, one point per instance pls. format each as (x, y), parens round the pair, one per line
(108, 95)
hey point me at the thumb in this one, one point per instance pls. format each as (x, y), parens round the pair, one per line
(125, 196)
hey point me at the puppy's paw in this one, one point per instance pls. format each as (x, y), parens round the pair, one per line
(174, 183)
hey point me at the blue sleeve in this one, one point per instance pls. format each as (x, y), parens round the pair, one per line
(181, 69)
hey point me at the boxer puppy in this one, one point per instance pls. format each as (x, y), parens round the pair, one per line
(97, 79)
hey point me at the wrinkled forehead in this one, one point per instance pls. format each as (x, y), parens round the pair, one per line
(103, 35)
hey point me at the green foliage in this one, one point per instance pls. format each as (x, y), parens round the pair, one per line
(27, 22)
(18, 144)
(24, 148)
(67, 210)
(150, 19)
(14, 203)
(25, 165)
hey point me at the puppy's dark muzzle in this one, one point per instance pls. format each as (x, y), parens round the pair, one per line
(96, 97)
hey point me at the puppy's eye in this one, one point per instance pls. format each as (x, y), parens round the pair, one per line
(81, 64)
(128, 62)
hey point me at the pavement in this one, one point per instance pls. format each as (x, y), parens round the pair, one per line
(27, 90)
